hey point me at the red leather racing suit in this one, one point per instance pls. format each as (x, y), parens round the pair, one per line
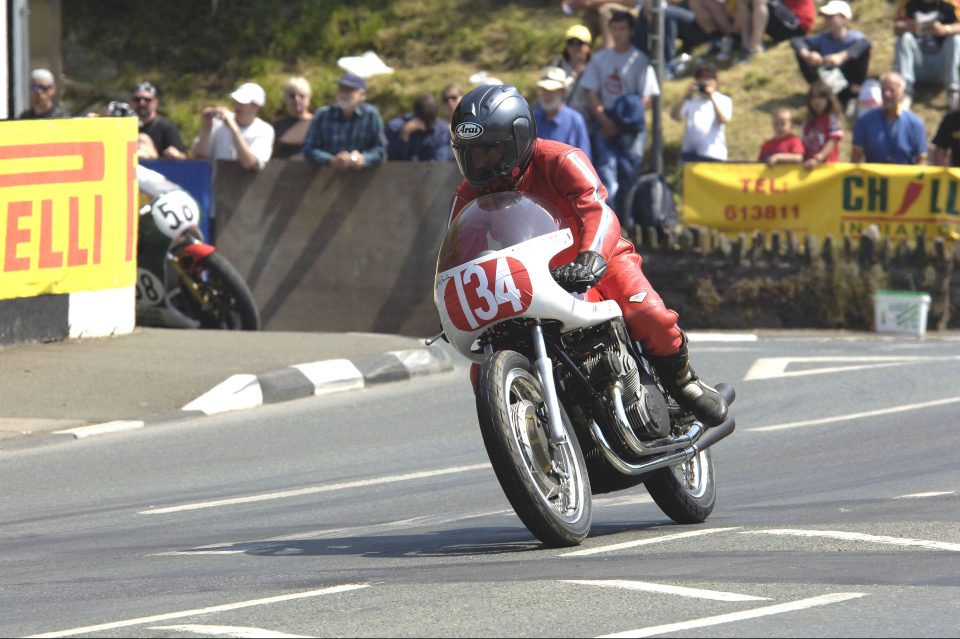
(564, 176)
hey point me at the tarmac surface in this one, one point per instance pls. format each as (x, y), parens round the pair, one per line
(153, 374)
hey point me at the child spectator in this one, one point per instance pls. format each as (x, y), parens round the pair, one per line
(822, 131)
(785, 146)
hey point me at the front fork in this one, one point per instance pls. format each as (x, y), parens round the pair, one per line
(544, 365)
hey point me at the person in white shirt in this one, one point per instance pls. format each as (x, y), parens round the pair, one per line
(705, 113)
(618, 84)
(239, 134)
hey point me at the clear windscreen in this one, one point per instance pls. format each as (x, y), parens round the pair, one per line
(494, 222)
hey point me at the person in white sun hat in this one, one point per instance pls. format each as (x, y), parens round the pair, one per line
(237, 134)
(838, 55)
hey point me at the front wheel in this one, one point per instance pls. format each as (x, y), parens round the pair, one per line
(548, 487)
(687, 492)
(225, 299)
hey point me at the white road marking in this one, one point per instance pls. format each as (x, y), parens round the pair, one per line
(696, 336)
(851, 536)
(863, 415)
(644, 542)
(776, 609)
(930, 494)
(202, 611)
(680, 591)
(389, 479)
(101, 429)
(229, 631)
(774, 367)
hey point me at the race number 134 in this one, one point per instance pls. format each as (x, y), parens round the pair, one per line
(486, 292)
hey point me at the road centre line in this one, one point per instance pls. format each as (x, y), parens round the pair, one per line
(851, 536)
(765, 611)
(644, 542)
(680, 591)
(202, 611)
(388, 479)
(230, 631)
(851, 416)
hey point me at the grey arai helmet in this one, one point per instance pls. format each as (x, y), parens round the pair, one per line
(493, 133)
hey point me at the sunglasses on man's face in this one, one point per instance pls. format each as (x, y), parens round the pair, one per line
(141, 98)
(41, 87)
(294, 94)
(451, 98)
(573, 42)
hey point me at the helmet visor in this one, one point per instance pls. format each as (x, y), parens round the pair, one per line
(481, 163)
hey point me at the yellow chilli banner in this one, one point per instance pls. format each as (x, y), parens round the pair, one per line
(68, 205)
(832, 199)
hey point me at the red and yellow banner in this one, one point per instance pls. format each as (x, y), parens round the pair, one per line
(832, 199)
(68, 214)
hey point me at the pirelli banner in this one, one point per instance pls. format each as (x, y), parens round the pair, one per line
(68, 215)
(832, 199)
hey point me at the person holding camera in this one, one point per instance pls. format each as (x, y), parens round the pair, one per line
(238, 134)
(705, 112)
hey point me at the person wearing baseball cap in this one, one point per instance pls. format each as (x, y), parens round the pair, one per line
(348, 134)
(43, 88)
(239, 134)
(577, 50)
(555, 120)
(838, 55)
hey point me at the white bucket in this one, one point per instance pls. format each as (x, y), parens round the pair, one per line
(901, 312)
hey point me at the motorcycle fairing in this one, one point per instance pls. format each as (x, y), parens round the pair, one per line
(469, 302)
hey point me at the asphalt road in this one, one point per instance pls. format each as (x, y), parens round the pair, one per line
(375, 513)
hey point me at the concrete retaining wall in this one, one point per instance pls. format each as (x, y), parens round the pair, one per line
(332, 251)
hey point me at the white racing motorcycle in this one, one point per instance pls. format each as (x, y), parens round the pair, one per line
(567, 403)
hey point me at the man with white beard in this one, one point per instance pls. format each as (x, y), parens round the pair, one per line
(348, 134)
(555, 120)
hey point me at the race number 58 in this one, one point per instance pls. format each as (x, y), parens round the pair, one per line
(487, 292)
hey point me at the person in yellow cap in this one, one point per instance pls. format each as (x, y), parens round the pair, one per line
(577, 49)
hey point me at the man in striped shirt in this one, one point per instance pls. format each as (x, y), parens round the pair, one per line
(348, 134)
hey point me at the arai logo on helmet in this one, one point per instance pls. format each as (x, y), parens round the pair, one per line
(468, 130)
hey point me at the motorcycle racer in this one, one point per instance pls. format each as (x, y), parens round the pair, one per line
(496, 148)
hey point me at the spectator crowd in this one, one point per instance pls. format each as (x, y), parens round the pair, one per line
(597, 93)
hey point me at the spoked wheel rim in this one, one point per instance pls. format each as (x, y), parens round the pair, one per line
(694, 474)
(555, 474)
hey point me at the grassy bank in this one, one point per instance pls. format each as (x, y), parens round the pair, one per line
(198, 51)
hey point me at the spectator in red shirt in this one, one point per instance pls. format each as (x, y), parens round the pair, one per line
(822, 131)
(785, 146)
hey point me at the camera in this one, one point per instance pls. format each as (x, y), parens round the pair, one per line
(701, 87)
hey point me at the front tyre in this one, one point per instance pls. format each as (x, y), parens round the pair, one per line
(687, 492)
(548, 489)
(227, 301)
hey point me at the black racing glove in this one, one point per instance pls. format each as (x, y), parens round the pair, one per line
(581, 274)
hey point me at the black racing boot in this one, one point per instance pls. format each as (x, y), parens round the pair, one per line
(687, 389)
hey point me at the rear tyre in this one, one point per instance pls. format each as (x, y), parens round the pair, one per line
(229, 304)
(548, 489)
(687, 492)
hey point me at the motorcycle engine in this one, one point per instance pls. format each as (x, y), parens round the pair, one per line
(608, 358)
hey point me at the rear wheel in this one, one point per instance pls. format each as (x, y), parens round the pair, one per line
(687, 492)
(548, 487)
(227, 300)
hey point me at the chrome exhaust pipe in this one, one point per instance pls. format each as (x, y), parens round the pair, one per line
(656, 446)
